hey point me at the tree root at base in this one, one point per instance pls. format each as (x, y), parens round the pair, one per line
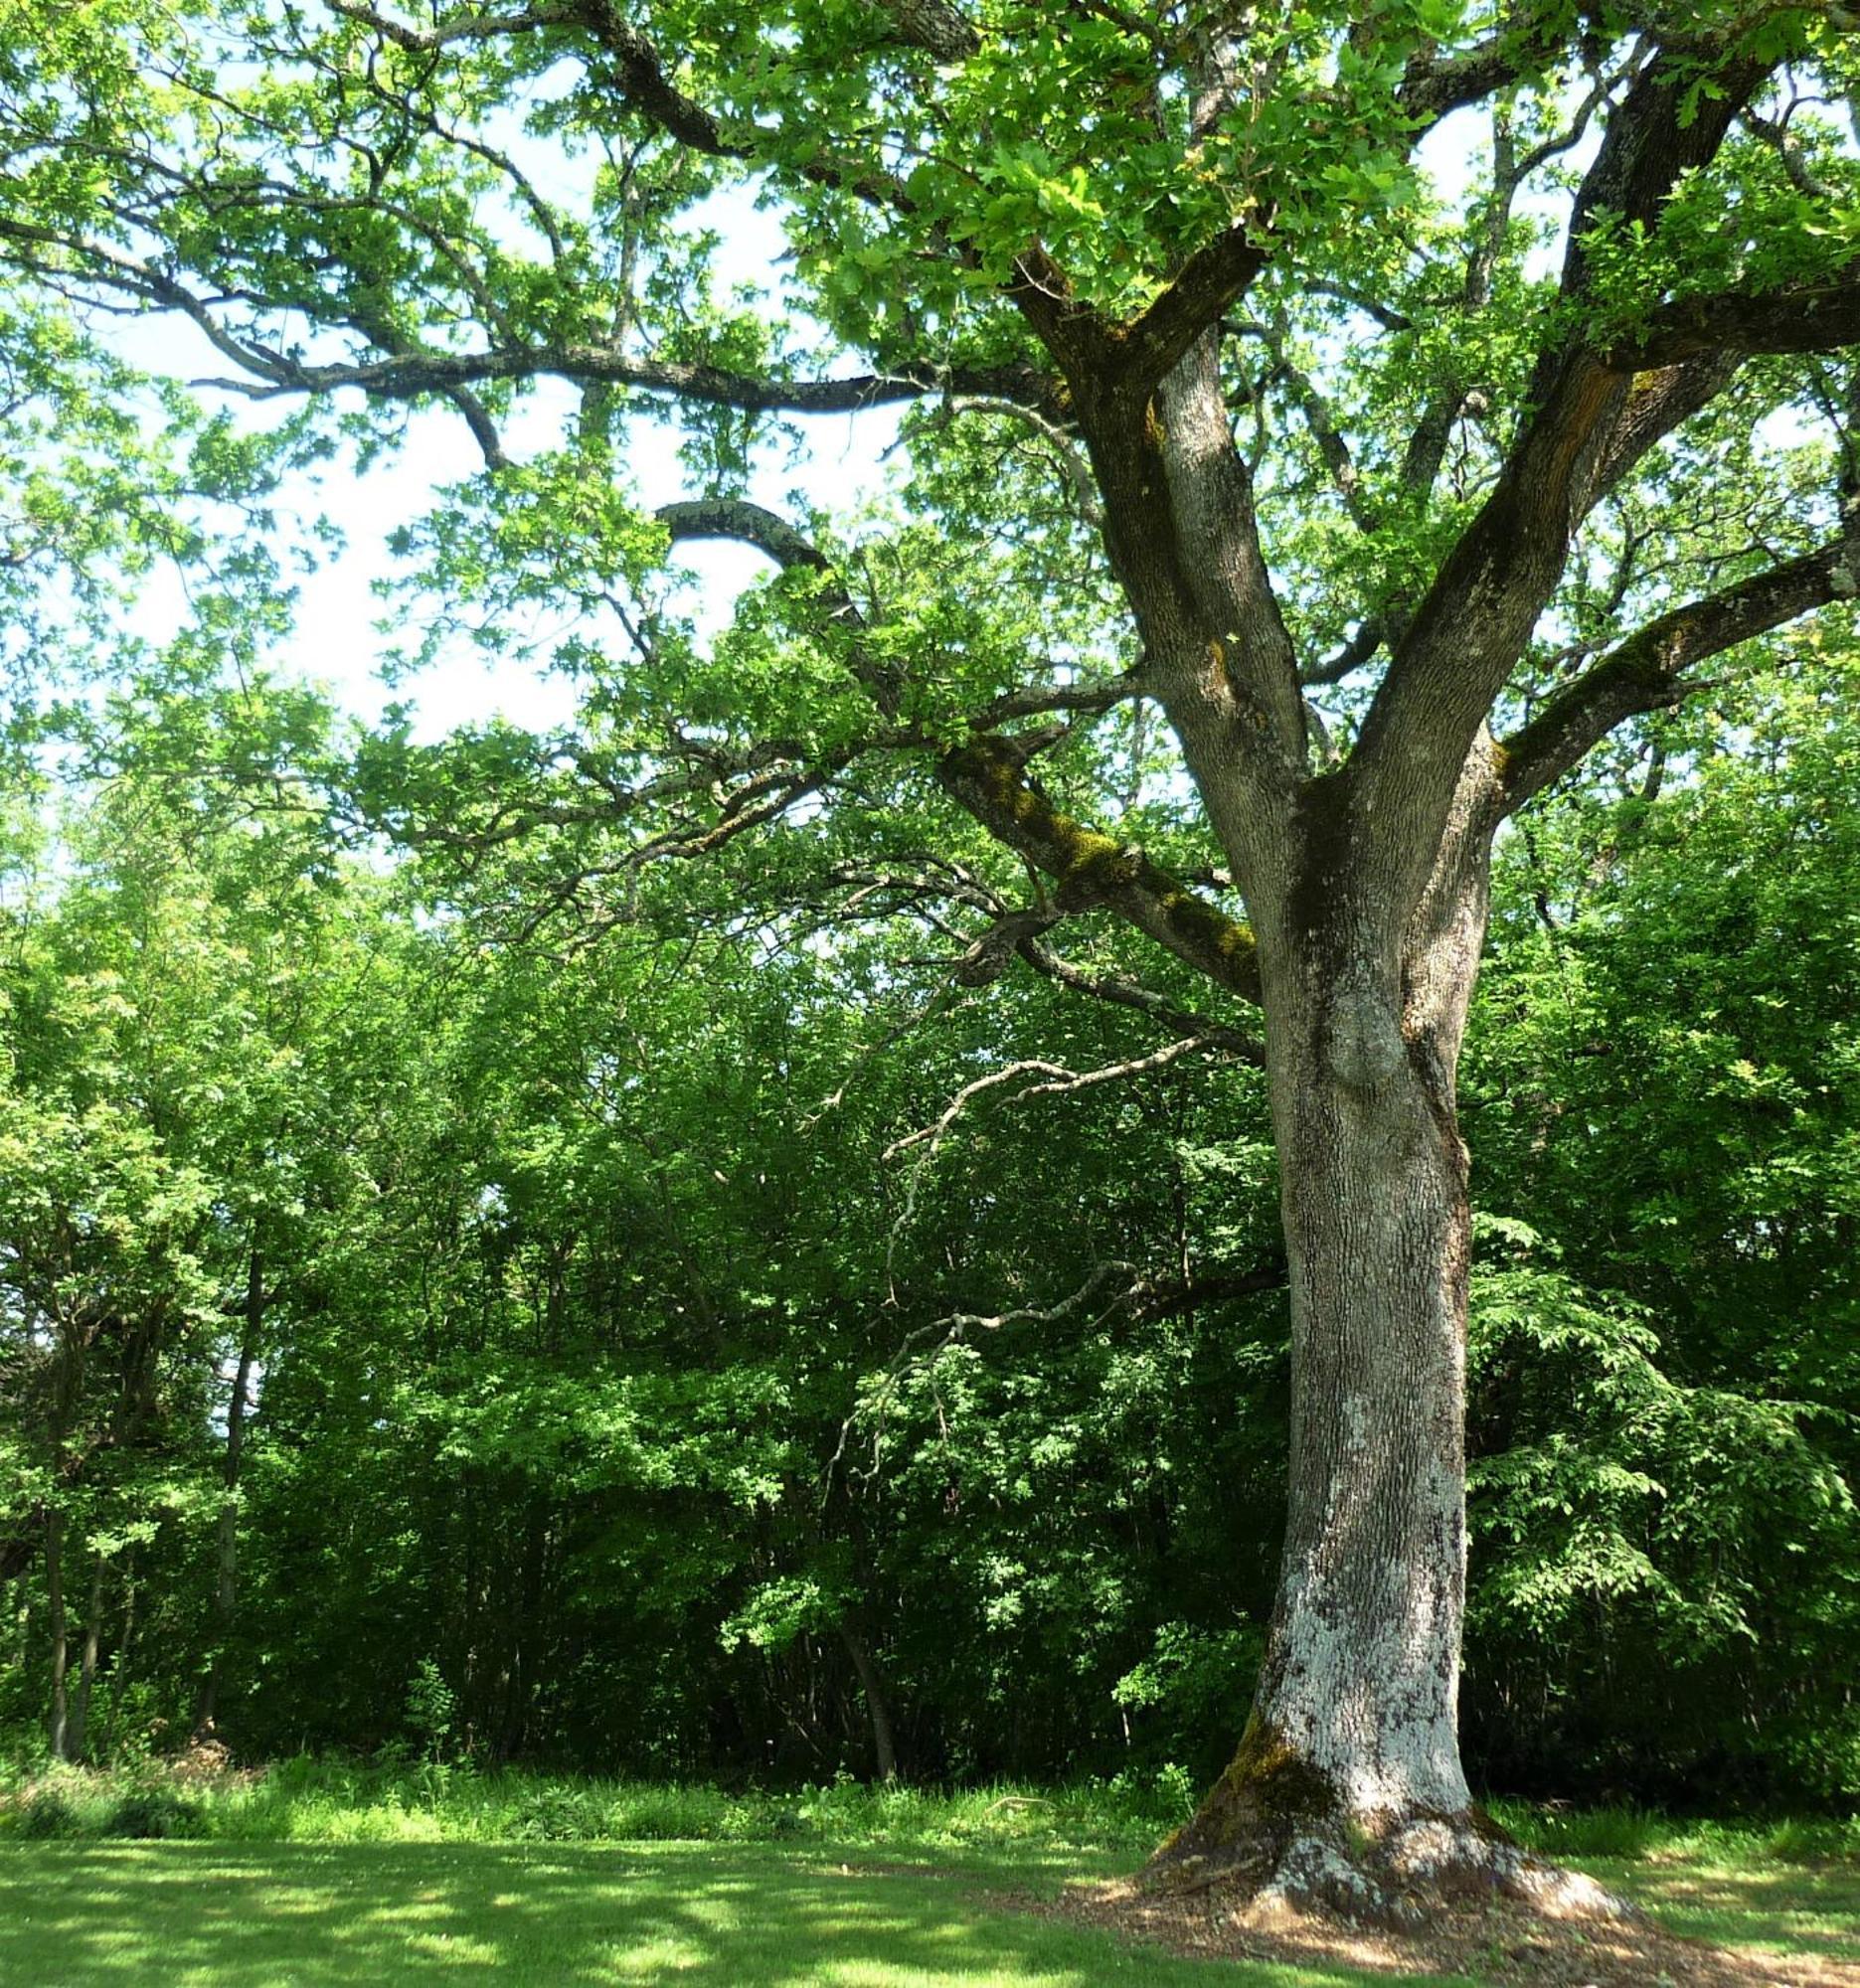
(1396, 1876)
(1470, 1913)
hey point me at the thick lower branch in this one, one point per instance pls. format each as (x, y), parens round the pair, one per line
(987, 780)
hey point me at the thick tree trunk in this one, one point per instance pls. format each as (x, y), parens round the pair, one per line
(1347, 1792)
(1353, 1728)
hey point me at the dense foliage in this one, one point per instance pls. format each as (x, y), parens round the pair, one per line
(615, 1400)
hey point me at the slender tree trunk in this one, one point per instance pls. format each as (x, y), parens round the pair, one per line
(119, 1663)
(226, 1577)
(877, 1712)
(86, 1663)
(61, 1654)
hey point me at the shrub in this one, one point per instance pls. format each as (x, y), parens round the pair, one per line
(48, 1815)
(153, 1812)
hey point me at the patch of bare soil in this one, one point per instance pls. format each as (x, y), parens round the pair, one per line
(1498, 1942)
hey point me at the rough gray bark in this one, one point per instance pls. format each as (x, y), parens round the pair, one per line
(1354, 1722)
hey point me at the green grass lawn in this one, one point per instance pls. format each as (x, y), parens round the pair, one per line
(314, 1879)
(315, 1915)
(1778, 1907)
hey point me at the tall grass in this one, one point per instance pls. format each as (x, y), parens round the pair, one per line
(309, 1800)
(321, 1801)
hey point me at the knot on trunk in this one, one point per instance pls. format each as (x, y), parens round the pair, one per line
(1363, 1045)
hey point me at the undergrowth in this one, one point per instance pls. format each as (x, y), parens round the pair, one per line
(308, 1800)
(321, 1801)
(1624, 1830)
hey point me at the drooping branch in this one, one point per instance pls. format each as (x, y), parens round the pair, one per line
(1108, 1289)
(1647, 672)
(1059, 440)
(1120, 993)
(275, 372)
(741, 788)
(753, 524)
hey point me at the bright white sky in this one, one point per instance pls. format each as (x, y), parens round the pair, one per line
(338, 641)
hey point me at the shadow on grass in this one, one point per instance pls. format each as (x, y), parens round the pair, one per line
(1792, 1908)
(316, 1915)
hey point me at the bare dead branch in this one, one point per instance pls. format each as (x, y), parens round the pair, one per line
(1055, 1080)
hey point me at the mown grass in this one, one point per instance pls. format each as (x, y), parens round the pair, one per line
(326, 1915)
(323, 1874)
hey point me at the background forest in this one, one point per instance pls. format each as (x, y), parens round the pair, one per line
(432, 1328)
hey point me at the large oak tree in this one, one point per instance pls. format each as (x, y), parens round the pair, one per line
(1400, 400)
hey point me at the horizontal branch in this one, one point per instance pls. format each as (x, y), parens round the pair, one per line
(1083, 699)
(1431, 88)
(1153, 1301)
(1806, 317)
(1121, 993)
(1648, 671)
(932, 26)
(399, 375)
(460, 28)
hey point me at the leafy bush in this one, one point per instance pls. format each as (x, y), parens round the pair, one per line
(50, 1814)
(153, 1813)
